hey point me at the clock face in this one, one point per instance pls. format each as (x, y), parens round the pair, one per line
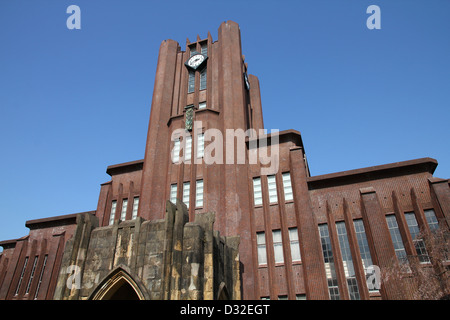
(195, 60)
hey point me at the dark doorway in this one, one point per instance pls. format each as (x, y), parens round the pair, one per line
(123, 292)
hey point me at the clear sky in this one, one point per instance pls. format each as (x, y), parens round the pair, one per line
(73, 102)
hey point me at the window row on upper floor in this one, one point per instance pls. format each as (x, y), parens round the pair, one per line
(272, 189)
(123, 210)
(186, 193)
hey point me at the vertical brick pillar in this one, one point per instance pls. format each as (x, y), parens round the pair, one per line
(234, 188)
(153, 196)
(378, 235)
(440, 194)
(313, 264)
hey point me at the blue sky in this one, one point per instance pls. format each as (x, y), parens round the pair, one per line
(75, 101)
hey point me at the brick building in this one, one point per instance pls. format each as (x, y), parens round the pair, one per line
(177, 225)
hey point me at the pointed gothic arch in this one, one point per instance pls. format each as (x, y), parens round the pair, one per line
(222, 293)
(118, 285)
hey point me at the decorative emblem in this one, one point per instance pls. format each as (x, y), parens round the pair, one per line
(189, 118)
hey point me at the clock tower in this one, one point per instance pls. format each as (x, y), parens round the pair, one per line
(176, 225)
(207, 85)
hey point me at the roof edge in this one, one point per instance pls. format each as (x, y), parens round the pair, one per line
(368, 173)
(62, 219)
(125, 167)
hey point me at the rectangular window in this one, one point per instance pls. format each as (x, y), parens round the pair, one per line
(173, 193)
(191, 81)
(295, 245)
(32, 275)
(330, 270)
(432, 221)
(277, 246)
(202, 105)
(112, 215)
(123, 213)
(21, 276)
(414, 230)
(261, 245)
(257, 193)
(204, 49)
(288, 195)
(199, 194)
(396, 238)
(188, 149)
(200, 145)
(40, 277)
(203, 79)
(135, 207)
(272, 189)
(364, 251)
(349, 269)
(176, 151)
(186, 193)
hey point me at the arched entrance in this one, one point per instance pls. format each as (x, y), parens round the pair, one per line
(118, 286)
(223, 292)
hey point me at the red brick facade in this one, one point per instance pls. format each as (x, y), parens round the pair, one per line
(367, 194)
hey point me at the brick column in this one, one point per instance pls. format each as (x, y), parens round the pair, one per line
(313, 264)
(378, 236)
(440, 194)
(153, 195)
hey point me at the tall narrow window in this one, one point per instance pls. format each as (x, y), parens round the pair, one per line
(176, 151)
(432, 221)
(188, 149)
(204, 49)
(414, 230)
(199, 193)
(295, 245)
(396, 238)
(191, 81)
(257, 193)
(135, 207)
(330, 270)
(288, 195)
(123, 213)
(173, 193)
(186, 193)
(40, 277)
(272, 189)
(112, 215)
(277, 246)
(347, 260)
(31, 275)
(21, 276)
(200, 145)
(261, 245)
(364, 251)
(203, 79)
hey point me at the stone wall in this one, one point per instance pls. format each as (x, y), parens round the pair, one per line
(169, 259)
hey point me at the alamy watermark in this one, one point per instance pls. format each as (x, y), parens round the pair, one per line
(374, 20)
(373, 278)
(212, 146)
(74, 20)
